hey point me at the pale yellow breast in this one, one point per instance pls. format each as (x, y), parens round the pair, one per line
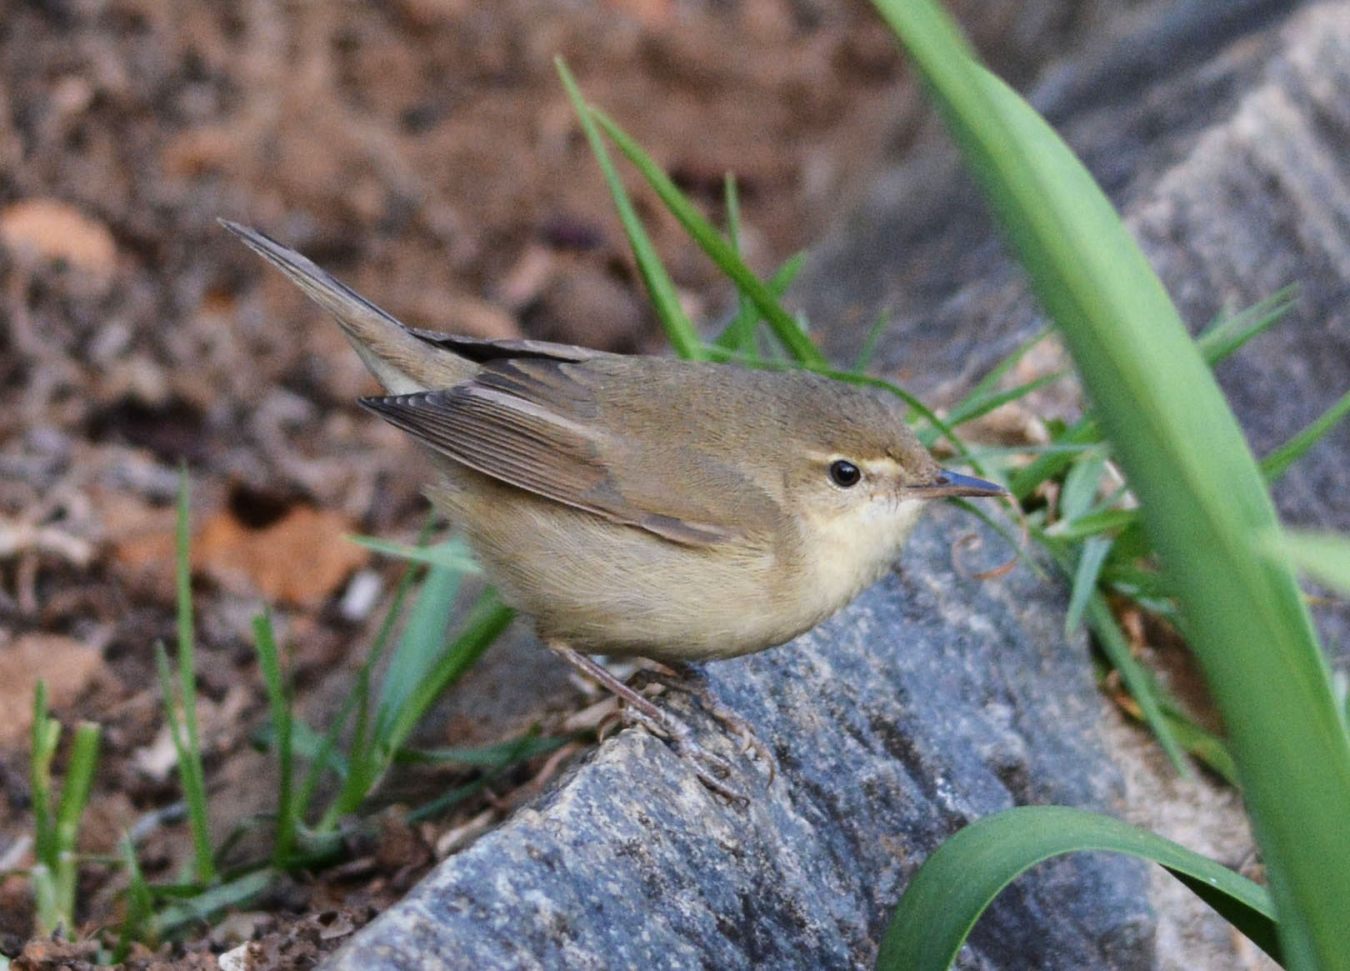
(613, 589)
(848, 552)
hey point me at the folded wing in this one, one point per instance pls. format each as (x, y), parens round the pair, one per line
(533, 423)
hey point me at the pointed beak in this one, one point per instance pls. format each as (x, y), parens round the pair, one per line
(954, 484)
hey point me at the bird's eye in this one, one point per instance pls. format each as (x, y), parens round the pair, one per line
(844, 474)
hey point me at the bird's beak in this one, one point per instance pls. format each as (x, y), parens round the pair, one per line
(954, 484)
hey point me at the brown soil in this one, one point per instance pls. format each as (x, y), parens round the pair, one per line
(422, 149)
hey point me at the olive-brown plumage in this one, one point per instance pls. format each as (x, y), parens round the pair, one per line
(638, 505)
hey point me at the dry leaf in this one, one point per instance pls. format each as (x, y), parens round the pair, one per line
(142, 541)
(300, 559)
(55, 230)
(66, 665)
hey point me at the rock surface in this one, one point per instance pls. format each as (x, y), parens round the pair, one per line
(931, 702)
(937, 699)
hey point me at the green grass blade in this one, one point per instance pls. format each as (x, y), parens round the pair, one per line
(981, 406)
(44, 738)
(357, 702)
(1081, 486)
(739, 335)
(310, 745)
(870, 342)
(74, 798)
(1085, 577)
(988, 384)
(985, 396)
(724, 347)
(1203, 745)
(784, 327)
(420, 647)
(443, 803)
(202, 908)
(1135, 678)
(1228, 334)
(679, 331)
(1324, 555)
(997, 452)
(453, 555)
(1093, 524)
(486, 622)
(194, 788)
(140, 904)
(1024, 481)
(79, 781)
(1203, 500)
(269, 661)
(492, 756)
(190, 771)
(1277, 462)
(965, 874)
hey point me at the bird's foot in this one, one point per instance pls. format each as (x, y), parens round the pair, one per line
(689, 680)
(711, 769)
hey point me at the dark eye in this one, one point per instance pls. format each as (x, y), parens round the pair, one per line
(844, 474)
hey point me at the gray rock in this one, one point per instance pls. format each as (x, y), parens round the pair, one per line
(933, 701)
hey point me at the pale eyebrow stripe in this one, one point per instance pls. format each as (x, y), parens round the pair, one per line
(884, 462)
(883, 465)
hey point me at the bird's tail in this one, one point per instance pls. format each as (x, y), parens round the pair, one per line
(402, 362)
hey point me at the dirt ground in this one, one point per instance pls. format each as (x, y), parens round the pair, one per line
(424, 151)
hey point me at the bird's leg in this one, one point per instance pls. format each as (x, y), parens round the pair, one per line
(689, 679)
(711, 769)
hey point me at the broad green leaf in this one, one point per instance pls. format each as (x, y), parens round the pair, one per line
(963, 876)
(1202, 497)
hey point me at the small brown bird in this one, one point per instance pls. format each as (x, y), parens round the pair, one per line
(635, 505)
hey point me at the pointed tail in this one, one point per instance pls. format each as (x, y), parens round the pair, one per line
(403, 363)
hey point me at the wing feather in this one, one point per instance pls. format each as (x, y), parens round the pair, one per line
(530, 423)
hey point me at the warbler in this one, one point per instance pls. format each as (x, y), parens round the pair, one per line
(640, 505)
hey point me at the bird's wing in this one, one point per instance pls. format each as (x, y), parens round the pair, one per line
(531, 423)
(484, 350)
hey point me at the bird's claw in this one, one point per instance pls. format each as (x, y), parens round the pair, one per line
(709, 768)
(687, 680)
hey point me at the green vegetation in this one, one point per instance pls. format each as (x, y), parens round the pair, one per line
(56, 823)
(348, 760)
